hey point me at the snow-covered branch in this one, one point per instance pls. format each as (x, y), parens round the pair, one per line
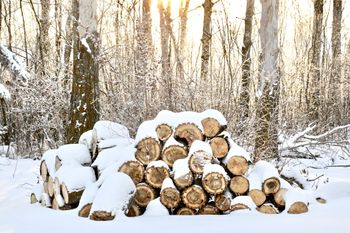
(326, 133)
(10, 60)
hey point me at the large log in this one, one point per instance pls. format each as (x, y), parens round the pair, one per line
(155, 175)
(298, 208)
(267, 209)
(209, 210)
(239, 185)
(278, 198)
(185, 211)
(173, 153)
(148, 149)
(164, 131)
(188, 132)
(184, 181)
(170, 197)
(214, 183)
(134, 169)
(198, 160)
(194, 197)
(271, 185)
(70, 197)
(257, 196)
(144, 194)
(44, 171)
(222, 202)
(212, 127)
(237, 165)
(133, 210)
(219, 146)
(85, 210)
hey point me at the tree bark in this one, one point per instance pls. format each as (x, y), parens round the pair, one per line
(84, 109)
(206, 39)
(183, 12)
(44, 46)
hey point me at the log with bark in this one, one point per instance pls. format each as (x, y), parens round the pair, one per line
(70, 197)
(85, 210)
(185, 211)
(148, 150)
(278, 198)
(212, 127)
(239, 206)
(156, 174)
(144, 194)
(298, 208)
(223, 202)
(133, 210)
(194, 197)
(209, 209)
(44, 171)
(134, 169)
(219, 146)
(50, 186)
(164, 131)
(267, 209)
(33, 198)
(188, 132)
(198, 160)
(170, 197)
(214, 183)
(271, 185)
(239, 185)
(172, 153)
(237, 165)
(257, 196)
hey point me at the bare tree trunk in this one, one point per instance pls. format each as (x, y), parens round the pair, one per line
(266, 119)
(24, 31)
(85, 109)
(206, 39)
(44, 41)
(246, 62)
(183, 12)
(58, 21)
(314, 79)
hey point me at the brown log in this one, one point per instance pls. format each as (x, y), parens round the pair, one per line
(156, 175)
(212, 127)
(267, 209)
(184, 181)
(164, 131)
(222, 202)
(133, 210)
(134, 169)
(257, 196)
(70, 197)
(148, 150)
(44, 171)
(271, 185)
(219, 146)
(58, 163)
(194, 197)
(170, 197)
(278, 198)
(298, 208)
(33, 198)
(239, 185)
(214, 183)
(209, 210)
(50, 186)
(188, 132)
(56, 206)
(185, 211)
(144, 194)
(239, 206)
(173, 153)
(198, 160)
(101, 216)
(237, 165)
(85, 210)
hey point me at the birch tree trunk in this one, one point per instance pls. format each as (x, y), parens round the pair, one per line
(84, 109)
(246, 62)
(206, 39)
(266, 119)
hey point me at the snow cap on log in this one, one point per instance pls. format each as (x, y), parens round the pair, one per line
(108, 129)
(172, 142)
(114, 194)
(209, 168)
(298, 195)
(113, 142)
(212, 113)
(86, 139)
(147, 129)
(158, 163)
(88, 195)
(236, 150)
(167, 183)
(49, 157)
(245, 200)
(200, 146)
(156, 208)
(74, 153)
(37, 190)
(181, 168)
(176, 118)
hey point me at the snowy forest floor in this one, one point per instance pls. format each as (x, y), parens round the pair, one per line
(17, 215)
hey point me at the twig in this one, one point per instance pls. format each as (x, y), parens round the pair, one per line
(315, 178)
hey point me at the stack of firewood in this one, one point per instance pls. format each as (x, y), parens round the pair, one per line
(185, 161)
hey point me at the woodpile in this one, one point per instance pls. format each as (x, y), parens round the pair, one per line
(180, 163)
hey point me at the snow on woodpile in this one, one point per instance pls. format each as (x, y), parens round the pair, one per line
(108, 129)
(244, 200)
(181, 168)
(146, 130)
(86, 138)
(210, 168)
(156, 208)
(112, 142)
(200, 146)
(74, 153)
(50, 158)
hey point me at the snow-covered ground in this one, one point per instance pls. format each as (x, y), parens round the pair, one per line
(17, 215)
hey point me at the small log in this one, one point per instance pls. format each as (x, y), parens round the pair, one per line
(57, 187)
(50, 186)
(133, 210)
(156, 175)
(278, 198)
(46, 187)
(164, 131)
(148, 149)
(33, 198)
(198, 160)
(271, 185)
(298, 208)
(257, 196)
(134, 169)
(58, 163)
(101, 216)
(222, 202)
(188, 132)
(85, 210)
(209, 210)
(144, 194)
(185, 211)
(239, 206)
(170, 197)
(184, 181)
(55, 204)
(70, 197)
(267, 209)
(194, 197)
(211, 127)
(214, 183)
(173, 153)
(219, 146)
(239, 185)
(44, 171)
(237, 165)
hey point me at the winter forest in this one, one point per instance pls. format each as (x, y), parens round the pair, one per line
(273, 77)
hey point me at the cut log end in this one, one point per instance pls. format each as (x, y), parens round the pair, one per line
(133, 210)
(134, 169)
(239, 185)
(164, 131)
(144, 194)
(173, 153)
(185, 211)
(33, 198)
(222, 202)
(85, 210)
(148, 150)
(194, 197)
(257, 196)
(209, 210)
(44, 171)
(156, 175)
(239, 206)
(184, 181)
(237, 165)
(298, 208)
(70, 197)
(278, 198)
(267, 209)
(212, 127)
(271, 185)
(101, 216)
(188, 132)
(170, 197)
(219, 146)
(58, 163)
(214, 183)
(50, 186)
(198, 160)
